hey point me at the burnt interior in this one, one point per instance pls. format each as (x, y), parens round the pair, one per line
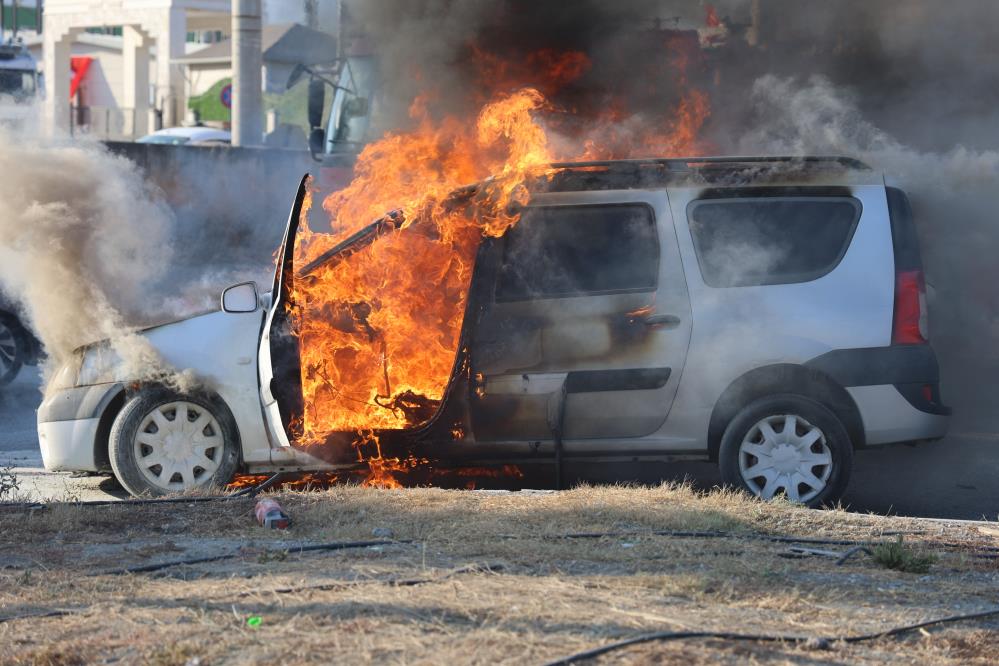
(434, 419)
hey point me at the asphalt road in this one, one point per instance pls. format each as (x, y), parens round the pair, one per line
(957, 477)
(17, 412)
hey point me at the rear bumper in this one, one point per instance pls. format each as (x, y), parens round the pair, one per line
(888, 417)
(896, 389)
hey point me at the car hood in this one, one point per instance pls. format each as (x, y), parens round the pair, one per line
(156, 328)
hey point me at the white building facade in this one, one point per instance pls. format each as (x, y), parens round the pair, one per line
(147, 25)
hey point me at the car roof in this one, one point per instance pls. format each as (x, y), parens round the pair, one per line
(692, 172)
(737, 171)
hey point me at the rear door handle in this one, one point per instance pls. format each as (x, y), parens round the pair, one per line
(664, 320)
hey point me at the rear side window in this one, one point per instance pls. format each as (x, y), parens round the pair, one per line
(555, 252)
(770, 240)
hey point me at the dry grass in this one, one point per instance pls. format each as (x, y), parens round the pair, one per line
(543, 597)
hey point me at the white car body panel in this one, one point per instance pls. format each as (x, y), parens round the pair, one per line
(221, 349)
(734, 327)
(68, 446)
(889, 418)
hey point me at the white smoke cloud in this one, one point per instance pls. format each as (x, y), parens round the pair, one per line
(82, 238)
(953, 194)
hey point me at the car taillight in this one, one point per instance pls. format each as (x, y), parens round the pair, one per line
(910, 324)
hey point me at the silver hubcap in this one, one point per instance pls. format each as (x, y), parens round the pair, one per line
(179, 445)
(785, 453)
(8, 348)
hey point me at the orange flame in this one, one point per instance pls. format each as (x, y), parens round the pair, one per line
(378, 333)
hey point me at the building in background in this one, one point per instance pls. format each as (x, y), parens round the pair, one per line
(19, 19)
(97, 87)
(104, 76)
(153, 34)
(208, 74)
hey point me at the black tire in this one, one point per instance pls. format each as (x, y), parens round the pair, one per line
(132, 453)
(784, 470)
(13, 349)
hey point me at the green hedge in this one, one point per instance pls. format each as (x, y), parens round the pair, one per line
(209, 104)
(291, 105)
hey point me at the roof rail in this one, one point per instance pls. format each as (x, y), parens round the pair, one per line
(693, 163)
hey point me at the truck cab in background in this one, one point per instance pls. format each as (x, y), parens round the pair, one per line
(20, 84)
(353, 117)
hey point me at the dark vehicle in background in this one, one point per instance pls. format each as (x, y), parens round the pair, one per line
(18, 347)
(20, 84)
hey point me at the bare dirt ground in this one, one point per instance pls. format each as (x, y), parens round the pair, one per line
(482, 577)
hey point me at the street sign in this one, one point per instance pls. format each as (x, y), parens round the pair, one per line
(225, 96)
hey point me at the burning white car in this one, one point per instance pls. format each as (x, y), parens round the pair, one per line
(572, 338)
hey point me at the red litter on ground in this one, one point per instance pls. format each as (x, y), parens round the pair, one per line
(270, 514)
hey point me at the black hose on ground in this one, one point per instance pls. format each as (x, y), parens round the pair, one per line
(853, 551)
(40, 614)
(337, 545)
(981, 552)
(817, 642)
(251, 491)
(720, 535)
(702, 535)
(395, 582)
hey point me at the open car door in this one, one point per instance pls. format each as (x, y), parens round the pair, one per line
(280, 371)
(279, 358)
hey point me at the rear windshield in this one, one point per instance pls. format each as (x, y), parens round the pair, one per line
(771, 240)
(560, 251)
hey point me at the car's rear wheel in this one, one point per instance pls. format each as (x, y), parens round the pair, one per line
(790, 446)
(164, 442)
(13, 350)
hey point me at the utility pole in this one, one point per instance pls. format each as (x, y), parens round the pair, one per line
(341, 30)
(247, 102)
(753, 32)
(312, 14)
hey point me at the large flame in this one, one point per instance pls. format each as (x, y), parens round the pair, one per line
(378, 333)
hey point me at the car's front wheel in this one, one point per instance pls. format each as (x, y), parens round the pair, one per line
(787, 445)
(165, 442)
